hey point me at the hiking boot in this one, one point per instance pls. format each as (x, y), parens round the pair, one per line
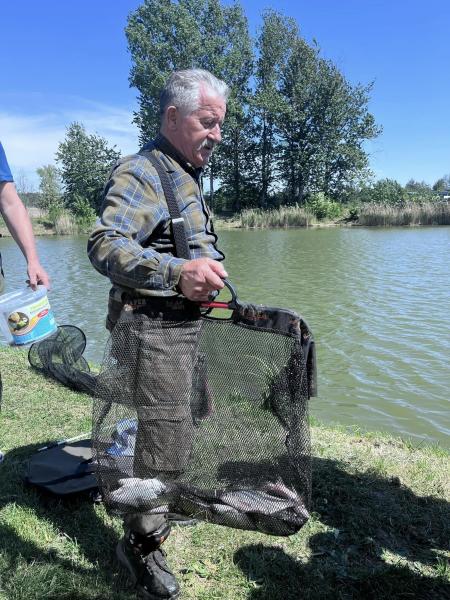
(146, 563)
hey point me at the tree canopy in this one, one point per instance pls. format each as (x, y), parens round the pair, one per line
(294, 123)
(85, 161)
(50, 188)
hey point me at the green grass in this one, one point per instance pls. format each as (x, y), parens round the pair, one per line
(379, 527)
(429, 213)
(377, 215)
(283, 217)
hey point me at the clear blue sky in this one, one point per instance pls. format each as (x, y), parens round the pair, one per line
(63, 61)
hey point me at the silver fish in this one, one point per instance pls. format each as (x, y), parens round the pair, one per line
(134, 492)
(279, 489)
(274, 525)
(221, 514)
(255, 501)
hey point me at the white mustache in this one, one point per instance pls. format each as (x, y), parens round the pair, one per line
(208, 144)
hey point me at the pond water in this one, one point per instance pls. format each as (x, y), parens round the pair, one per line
(377, 300)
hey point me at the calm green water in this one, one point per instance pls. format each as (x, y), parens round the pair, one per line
(377, 300)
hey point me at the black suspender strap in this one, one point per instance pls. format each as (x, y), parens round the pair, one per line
(179, 233)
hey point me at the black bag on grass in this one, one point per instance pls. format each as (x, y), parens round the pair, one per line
(64, 469)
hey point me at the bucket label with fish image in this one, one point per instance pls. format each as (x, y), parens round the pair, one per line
(31, 322)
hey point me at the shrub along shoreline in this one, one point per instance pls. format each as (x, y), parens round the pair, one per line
(330, 213)
(379, 526)
(319, 213)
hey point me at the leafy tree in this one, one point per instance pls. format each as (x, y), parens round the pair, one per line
(442, 184)
(323, 124)
(164, 36)
(324, 208)
(302, 130)
(50, 187)
(419, 191)
(85, 163)
(385, 191)
(230, 162)
(416, 186)
(84, 213)
(276, 38)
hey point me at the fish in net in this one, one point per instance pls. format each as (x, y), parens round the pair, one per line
(199, 416)
(207, 417)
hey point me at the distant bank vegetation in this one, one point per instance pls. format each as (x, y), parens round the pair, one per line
(293, 142)
(413, 211)
(366, 208)
(365, 215)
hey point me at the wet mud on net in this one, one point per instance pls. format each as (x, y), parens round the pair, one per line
(208, 418)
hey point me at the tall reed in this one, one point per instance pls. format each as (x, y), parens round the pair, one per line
(66, 224)
(285, 216)
(430, 213)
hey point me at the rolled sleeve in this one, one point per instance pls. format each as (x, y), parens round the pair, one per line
(173, 271)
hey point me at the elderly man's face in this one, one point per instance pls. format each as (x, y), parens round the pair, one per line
(196, 134)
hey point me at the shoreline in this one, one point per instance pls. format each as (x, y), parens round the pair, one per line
(221, 225)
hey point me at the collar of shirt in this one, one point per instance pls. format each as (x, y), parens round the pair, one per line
(162, 143)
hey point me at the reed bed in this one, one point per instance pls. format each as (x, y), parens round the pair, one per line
(283, 217)
(66, 224)
(430, 213)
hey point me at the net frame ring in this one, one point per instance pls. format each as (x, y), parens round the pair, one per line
(64, 339)
(213, 303)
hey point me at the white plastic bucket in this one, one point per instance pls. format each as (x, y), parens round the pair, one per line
(25, 316)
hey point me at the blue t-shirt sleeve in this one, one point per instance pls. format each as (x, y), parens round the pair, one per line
(5, 171)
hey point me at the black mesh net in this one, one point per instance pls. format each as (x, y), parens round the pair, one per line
(199, 416)
(208, 417)
(60, 356)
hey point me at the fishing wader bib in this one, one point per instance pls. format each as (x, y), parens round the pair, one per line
(160, 337)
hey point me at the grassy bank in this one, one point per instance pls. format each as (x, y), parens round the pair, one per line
(285, 216)
(65, 224)
(367, 215)
(379, 527)
(409, 215)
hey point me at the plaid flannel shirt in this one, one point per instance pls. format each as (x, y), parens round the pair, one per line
(132, 242)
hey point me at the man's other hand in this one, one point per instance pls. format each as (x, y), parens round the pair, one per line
(37, 275)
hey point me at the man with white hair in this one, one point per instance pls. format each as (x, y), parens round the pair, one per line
(133, 244)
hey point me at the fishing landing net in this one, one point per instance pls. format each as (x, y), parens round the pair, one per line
(207, 417)
(60, 356)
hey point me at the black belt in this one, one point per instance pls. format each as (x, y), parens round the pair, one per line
(152, 304)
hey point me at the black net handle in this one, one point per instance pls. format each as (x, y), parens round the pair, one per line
(179, 233)
(230, 305)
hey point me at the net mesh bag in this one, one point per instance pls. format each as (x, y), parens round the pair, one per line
(60, 356)
(207, 417)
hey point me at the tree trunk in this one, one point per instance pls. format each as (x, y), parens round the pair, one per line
(263, 194)
(237, 190)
